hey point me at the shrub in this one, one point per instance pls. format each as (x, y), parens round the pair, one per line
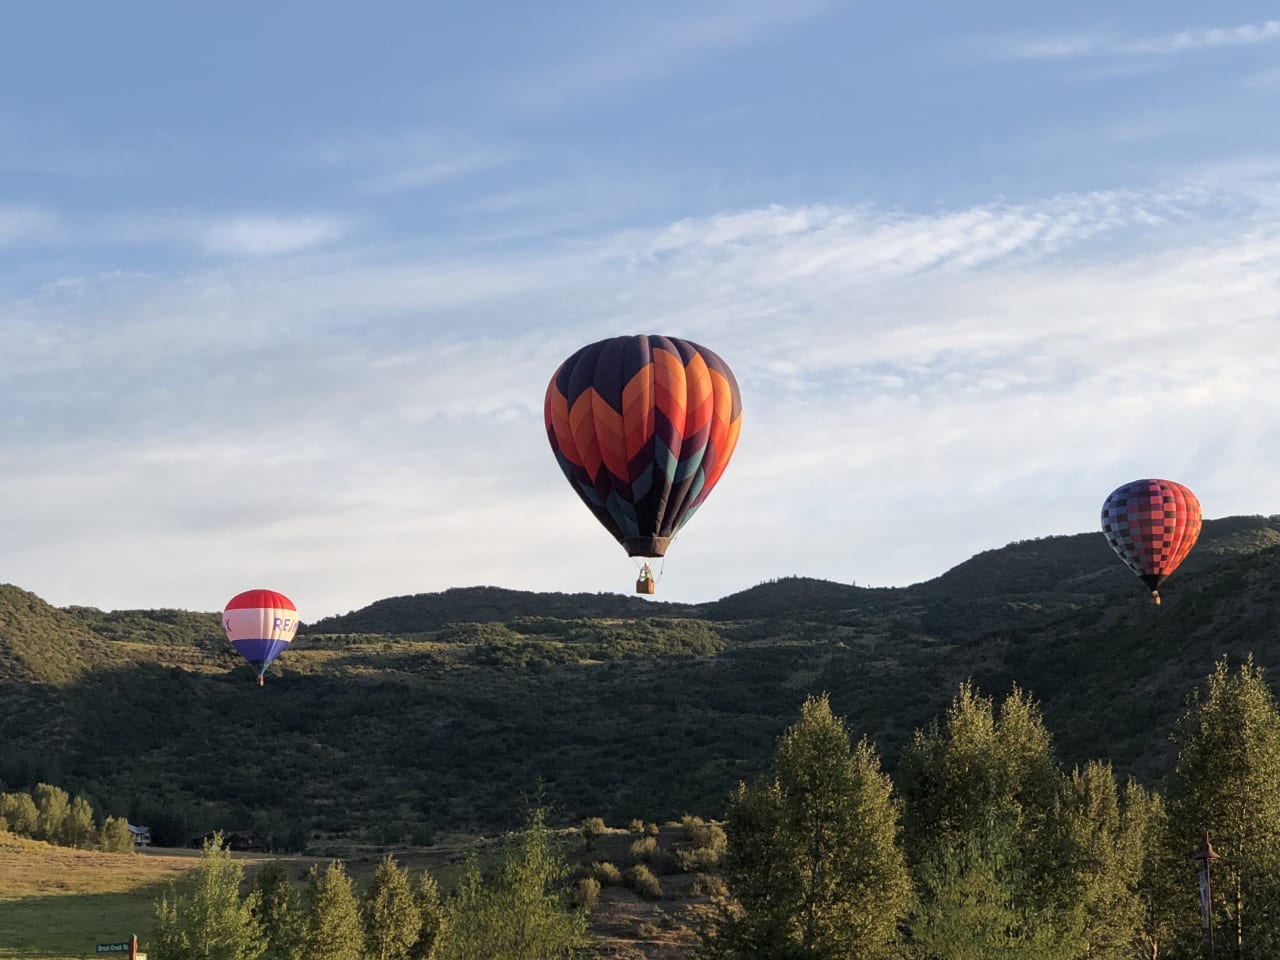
(586, 893)
(643, 850)
(593, 827)
(606, 873)
(708, 885)
(636, 826)
(707, 844)
(644, 883)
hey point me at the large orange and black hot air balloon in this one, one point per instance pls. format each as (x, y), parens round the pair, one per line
(643, 428)
(1152, 525)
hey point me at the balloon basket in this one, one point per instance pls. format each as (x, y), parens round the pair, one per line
(648, 586)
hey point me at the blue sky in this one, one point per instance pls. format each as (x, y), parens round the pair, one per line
(281, 285)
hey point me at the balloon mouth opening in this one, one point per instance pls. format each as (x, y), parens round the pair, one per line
(1153, 580)
(646, 546)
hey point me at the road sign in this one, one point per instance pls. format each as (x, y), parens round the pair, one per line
(114, 947)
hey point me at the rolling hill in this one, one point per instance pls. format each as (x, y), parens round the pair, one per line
(438, 712)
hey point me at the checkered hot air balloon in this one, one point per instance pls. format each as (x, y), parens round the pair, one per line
(643, 428)
(260, 624)
(1152, 525)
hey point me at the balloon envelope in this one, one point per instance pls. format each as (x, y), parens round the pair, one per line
(1152, 525)
(260, 624)
(643, 428)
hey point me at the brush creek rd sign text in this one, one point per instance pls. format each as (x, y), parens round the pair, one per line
(129, 949)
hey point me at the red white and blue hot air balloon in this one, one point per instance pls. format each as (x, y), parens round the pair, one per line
(260, 624)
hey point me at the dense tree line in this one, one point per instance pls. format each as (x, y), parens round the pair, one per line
(49, 813)
(517, 908)
(980, 846)
(991, 850)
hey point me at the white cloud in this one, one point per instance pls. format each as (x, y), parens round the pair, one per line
(1267, 79)
(45, 148)
(917, 387)
(408, 160)
(230, 236)
(264, 236)
(623, 51)
(1185, 41)
(27, 225)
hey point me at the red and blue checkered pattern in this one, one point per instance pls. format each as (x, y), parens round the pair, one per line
(1152, 526)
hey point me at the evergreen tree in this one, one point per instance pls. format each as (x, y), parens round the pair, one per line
(211, 921)
(519, 913)
(114, 837)
(974, 909)
(391, 916)
(1227, 781)
(426, 897)
(1095, 867)
(813, 860)
(279, 912)
(978, 791)
(1144, 834)
(332, 928)
(52, 804)
(78, 828)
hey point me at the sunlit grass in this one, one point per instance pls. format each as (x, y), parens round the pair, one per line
(56, 902)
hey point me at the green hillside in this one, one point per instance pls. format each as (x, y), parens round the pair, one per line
(431, 611)
(421, 715)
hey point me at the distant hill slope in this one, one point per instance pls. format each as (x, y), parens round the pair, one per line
(431, 611)
(1076, 566)
(164, 627)
(43, 652)
(41, 643)
(1084, 563)
(442, 711)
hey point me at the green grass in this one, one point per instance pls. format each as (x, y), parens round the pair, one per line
(60, 903)
(71, 924)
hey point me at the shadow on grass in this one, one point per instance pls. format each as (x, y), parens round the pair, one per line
(73, 925)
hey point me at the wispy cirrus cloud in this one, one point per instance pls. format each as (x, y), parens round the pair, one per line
(44, 148)
(407, 160)
(623, 50)
(24, 224)
(1024, 358)
(1267, 79)
(1185, 41)
(230, 236)
(263, 236)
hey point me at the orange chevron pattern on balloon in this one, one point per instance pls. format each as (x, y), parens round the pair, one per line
(643, 428)
(1152, 525)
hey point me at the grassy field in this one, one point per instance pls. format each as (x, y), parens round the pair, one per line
(58, 904)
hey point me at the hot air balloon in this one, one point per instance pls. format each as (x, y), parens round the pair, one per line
(1152, 525)
(643, 427)
(260, 624)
